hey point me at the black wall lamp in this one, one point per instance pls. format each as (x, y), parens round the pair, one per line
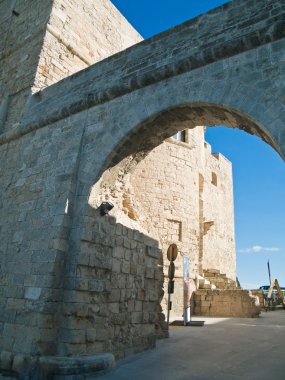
(105, 207)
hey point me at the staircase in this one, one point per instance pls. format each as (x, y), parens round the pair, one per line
(219, 296)
(219, 280)
(203, 283)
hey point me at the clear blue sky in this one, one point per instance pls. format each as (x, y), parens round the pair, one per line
(259, 173)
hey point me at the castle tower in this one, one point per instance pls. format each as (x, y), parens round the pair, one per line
(42, 42)
(186, 195)
(75, 286)
(46, 41)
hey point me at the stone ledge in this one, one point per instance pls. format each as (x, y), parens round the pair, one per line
(61, 367)
(54, 367)
(235, 303)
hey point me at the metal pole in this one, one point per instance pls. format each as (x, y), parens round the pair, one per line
(186, 269)
(269, 274)
(171, 255)
(168, 310)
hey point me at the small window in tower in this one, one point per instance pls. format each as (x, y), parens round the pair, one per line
(180, 136)
(214, 179)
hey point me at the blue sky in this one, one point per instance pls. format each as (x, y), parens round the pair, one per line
(259, 172)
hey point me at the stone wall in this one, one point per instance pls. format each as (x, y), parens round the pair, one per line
(198, 219)
(35, 219)
(218, 215)
(20, 47)
(59, 295)
(56, 46)
(79, 34)
(225, 303)
(119, 285)
(74, 131)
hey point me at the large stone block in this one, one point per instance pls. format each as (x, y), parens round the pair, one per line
(225, 303)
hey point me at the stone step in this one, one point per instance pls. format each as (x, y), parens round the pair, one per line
(225, 303)
(215, 271)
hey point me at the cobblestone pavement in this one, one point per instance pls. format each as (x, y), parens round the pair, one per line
(224, 349)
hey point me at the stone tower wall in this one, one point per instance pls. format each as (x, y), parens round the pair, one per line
(23, 27)
(79, 34)
(219, 238)
(44, 42)
(64, 145)
(21, 45)
(66, 36)
(198, 219)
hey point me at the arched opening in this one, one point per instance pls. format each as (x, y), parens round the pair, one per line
(133, 258)
(175, 119)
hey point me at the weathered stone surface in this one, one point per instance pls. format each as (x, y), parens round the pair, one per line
(225, 303)
(71, 146)
(219, 280)
(169, 198)
(56, 47)
(6, 360)
(60, 367)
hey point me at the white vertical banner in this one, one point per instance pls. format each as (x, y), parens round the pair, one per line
(186, 288)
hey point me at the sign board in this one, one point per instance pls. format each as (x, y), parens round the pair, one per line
(186, 280)
(172, 252)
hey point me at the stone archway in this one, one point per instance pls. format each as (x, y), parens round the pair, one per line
(108, 241)
(104, 118)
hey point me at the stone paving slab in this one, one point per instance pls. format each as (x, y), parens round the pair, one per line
(224, 349)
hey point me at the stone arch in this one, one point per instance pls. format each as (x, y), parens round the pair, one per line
(119, 165)
(145, 136)
(152, 132)
(225, 93)
(95, 119)
(120, 133)
(102, 235)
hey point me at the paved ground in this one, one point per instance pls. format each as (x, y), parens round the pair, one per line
(224, 349)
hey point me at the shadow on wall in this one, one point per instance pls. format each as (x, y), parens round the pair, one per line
(119, 277)
(157, 128)
(115, 274)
